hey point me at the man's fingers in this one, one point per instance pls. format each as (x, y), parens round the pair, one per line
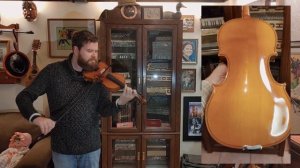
(47, 126)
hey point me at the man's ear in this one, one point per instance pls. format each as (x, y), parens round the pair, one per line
(76, 50)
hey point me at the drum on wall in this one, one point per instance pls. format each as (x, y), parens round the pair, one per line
(16, 64)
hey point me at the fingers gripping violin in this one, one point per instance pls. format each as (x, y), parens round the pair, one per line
(112, 81)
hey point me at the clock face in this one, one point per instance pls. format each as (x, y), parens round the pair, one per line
(129, 11)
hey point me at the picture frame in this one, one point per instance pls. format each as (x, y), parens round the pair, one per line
(189, 51)
(193, 113)
(60, 32)
(188, 80)
(152, 12)
(4, 49)
(295, 75)
(188, 23)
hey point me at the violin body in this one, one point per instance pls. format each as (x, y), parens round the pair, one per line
(249, 107)
(111, 81)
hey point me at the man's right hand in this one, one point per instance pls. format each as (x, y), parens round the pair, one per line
(45, 124)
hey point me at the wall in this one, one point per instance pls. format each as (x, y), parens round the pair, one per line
(11, 12)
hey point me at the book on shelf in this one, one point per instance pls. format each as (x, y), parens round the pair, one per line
(209, 31)
(125, 125)
(124, 152)
(159, 90)
(119, 35)
(124, 141)
(153, 122)
(159, 66)
(123, 55)
(155, 77)
(156, 153)
(157, 158)
(212, 23)
(126, 146)
(125, 158)
(163, 38)
(267, 13)
(162, 50)
(123, 43)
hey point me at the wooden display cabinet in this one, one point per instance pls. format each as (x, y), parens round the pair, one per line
(279, 18)
(148, 52)
(141, 151)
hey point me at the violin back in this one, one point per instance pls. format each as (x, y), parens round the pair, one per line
(249, 107)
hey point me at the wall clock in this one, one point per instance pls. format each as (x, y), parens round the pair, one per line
(129, 11)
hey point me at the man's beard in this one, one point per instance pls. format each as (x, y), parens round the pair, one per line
(89, 65)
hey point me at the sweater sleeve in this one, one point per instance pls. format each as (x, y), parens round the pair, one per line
(27, 96)
(105, 106)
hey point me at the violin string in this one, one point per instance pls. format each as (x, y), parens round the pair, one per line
(105, 70)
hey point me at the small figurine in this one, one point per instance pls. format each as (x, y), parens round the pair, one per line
(178, 12)
(172, 15)
(17, 148)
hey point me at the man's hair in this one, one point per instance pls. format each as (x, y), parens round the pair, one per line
(82, 37)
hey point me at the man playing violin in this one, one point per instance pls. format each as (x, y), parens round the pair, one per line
(75, 105)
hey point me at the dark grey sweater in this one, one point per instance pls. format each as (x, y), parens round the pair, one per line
(77, 132)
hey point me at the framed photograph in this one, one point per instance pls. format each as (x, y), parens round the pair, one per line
(152, 12)
(60, 32)
(192, 118)
(188, 23)
(4, 49)
(188, 80)
(295, 75)
(189, 51)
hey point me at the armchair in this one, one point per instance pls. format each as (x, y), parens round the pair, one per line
(39, 156)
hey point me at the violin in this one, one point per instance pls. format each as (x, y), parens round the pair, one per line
(255, 111)
(111, 81)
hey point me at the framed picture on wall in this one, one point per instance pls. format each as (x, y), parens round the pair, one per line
(188, 80)
(295, 75)
(192, 118)
(189, 51)
(60, 32)
(152, 12)
(188, 23)
(4, 49)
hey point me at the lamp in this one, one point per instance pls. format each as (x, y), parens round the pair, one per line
(29, 11)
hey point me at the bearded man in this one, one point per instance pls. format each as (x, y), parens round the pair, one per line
(75, 105)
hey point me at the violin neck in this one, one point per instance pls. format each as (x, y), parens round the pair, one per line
(115, 80)
(122, 85)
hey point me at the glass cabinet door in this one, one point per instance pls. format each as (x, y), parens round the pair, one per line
(159, 61)
(125, 51)
(158, 153)
(125, 152)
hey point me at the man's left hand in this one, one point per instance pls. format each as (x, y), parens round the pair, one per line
(127, 95)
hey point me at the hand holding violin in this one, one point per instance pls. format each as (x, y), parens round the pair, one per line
(127, 95)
